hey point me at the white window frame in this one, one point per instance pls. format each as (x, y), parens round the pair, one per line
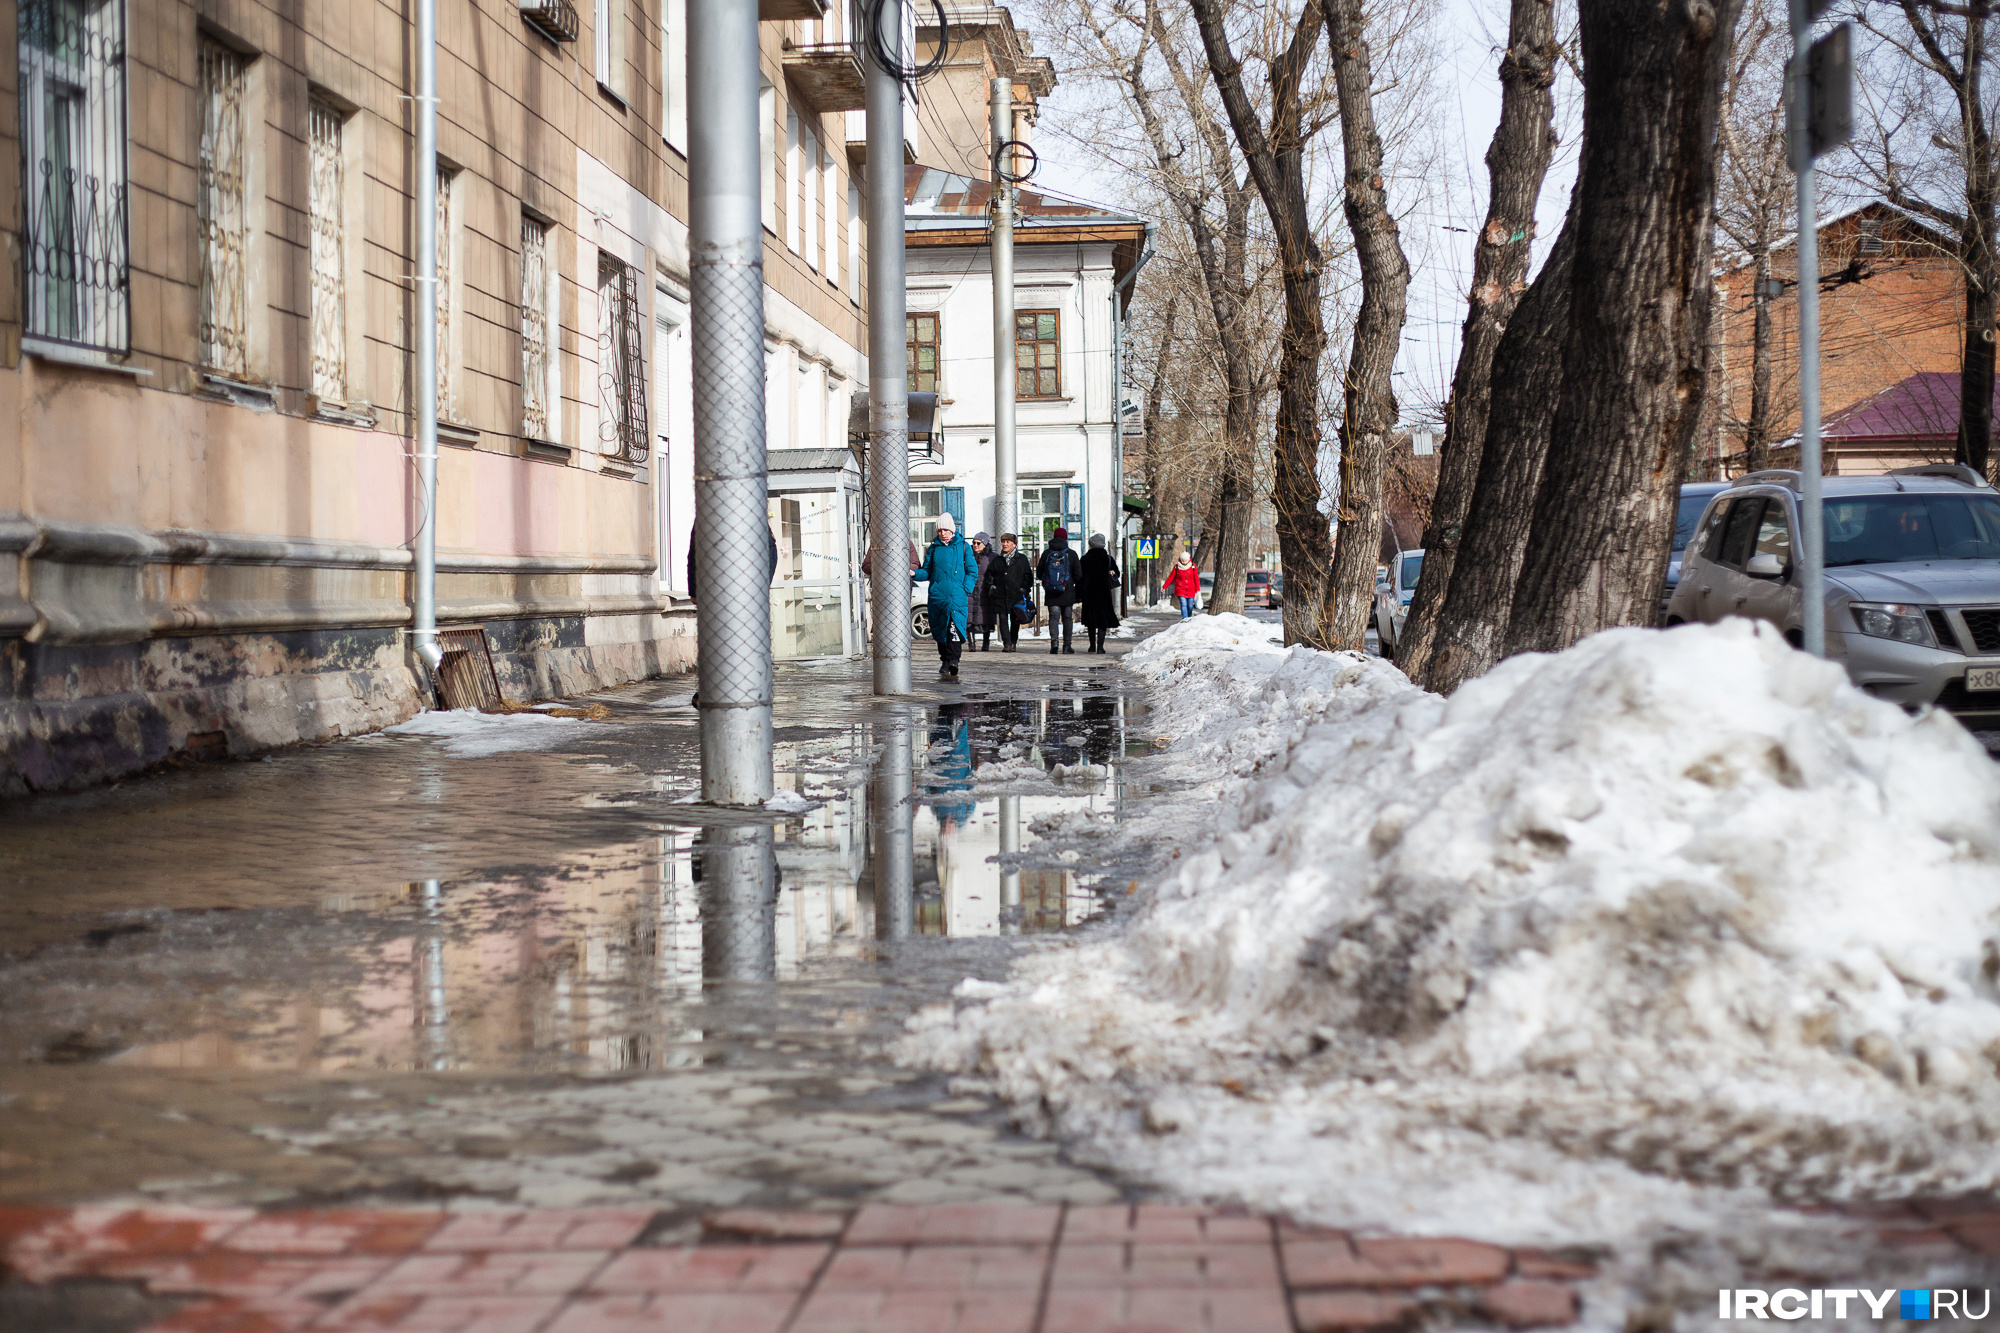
(447, 236)
(792, 178)
(673, 74)
(767, 152)
(326, 133)
(833, 198)
(609, 22)
(222, 215)
(853, 240)
(539, 395)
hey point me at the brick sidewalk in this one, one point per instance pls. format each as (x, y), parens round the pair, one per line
(965, 1268)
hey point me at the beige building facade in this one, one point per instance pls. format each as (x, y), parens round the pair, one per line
(207, 487)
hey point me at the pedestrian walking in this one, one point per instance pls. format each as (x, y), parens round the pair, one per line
(1011, 582)
(951, 570)
(1097, 593)
(1057, 570)
(981, 609)
(1185, 583)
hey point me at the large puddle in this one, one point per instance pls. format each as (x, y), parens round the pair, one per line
(387, 904)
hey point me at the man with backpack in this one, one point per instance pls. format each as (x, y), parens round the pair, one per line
(1010, 584)
(1058, 572)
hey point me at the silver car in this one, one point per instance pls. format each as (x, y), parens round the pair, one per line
(1912, 578)
(1392, 598)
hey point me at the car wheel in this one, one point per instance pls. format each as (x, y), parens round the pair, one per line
(920, 623)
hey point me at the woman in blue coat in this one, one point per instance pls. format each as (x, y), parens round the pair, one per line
(952, 571)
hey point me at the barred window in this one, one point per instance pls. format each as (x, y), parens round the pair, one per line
(329, 253)
(535, 359)
(621, 363)
(76, 257)
(447, 394)
(1037, 354)
(220, 213)
(921, 331)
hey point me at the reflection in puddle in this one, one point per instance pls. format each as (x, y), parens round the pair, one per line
(651, 952)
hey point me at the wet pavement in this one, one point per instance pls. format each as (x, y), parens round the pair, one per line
(410, 967)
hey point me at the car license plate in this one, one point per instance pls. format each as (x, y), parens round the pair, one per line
(1983, 678)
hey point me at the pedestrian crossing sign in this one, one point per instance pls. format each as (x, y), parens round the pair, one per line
(1146, 548)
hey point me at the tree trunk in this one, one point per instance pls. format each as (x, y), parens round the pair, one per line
(1635, 365)
(1517, 161)
(1277, 166)
(1368, 416)
(1471, 626)
(1757, 433)
(1977, 245)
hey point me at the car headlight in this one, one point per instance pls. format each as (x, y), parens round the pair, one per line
(1893, 620)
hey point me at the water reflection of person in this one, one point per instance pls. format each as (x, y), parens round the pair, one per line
(949, 771)
(1100, 728)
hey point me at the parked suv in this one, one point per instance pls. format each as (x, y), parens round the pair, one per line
(1912, 578)
(1695, 496)
(1392, 598)
(1260, 588)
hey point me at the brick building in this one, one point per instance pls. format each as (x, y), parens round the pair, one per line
(1892, 301)
(206, 481)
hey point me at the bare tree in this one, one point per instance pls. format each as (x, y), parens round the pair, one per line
(1754, 194)
(1635, 360)
(1935, 158)
(1517, 162)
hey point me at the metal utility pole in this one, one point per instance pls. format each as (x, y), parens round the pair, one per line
(888, 375)
(739, 903)
(423, 593)
(732, 536)
(892, 826)
(1004, 490)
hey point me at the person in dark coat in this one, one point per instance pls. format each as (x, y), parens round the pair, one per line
(951, 571)
(1097, 593)
(1010, 582)
(979, 614)
(1058, 572)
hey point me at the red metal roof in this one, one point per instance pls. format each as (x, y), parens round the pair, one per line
(1923, 408)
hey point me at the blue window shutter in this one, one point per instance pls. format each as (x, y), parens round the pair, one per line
(1072, 506)
(954, 504)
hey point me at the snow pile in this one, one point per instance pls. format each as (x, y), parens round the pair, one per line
(468, 734)
(789, 803)
(1613, 938)
(1010, 774)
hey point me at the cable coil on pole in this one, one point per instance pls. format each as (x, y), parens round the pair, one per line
(890, 61)
(1015, 175)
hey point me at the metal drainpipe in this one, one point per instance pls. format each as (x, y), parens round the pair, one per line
(726, 322)
(423, 609)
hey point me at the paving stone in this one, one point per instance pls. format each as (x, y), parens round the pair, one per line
(542, 1229)
(1168, 1264)
(677, 1312)
(924, 1191)
(1520, 1304)
(947, 1267)
(739, 1268)
(954, 1224)
(1541, 1263)
(348, 1231)
(917, 1311)
(1397, 1262)
(1321, 1311)
(1125, 1310)
(1163, 1222)
(776, 1224)
(511, 1272)
(439, 1314)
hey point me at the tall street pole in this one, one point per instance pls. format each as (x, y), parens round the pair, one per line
(1810, 557)
(1004, 494)
(726, 322)
(888, 375)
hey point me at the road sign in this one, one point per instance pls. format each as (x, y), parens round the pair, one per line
(1830, 117)
(1146, 548)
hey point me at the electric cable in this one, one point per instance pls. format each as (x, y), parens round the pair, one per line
(1015, 177)
(878, 49)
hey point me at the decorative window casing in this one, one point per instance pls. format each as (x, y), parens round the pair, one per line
(76, 252)
(621, 363)
(1037, 354)
(447, 389)
(921, 332)
(537, 362)
(328, 198)
(222, 215)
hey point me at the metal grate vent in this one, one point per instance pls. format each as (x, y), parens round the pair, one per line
(1984, 626)
(1941, 627)
(466, 678)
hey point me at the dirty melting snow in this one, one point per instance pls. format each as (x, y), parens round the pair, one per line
(468, 734)
(1642, 934)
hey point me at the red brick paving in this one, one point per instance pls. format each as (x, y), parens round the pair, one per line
(948, 1269)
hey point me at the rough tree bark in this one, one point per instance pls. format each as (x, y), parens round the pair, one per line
(1276, 157)
(1470, 631)
(1517, 161)
(1757, 431)
(1754, 194)
(1636, 359)
(1368, 416)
